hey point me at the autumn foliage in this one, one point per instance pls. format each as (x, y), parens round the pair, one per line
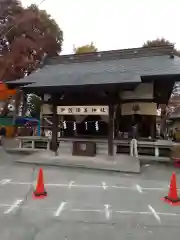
(27, 36)
(6, 93)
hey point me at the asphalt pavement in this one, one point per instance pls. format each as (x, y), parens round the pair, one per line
(86, 204)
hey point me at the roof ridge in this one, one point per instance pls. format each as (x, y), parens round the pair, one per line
(113, 54)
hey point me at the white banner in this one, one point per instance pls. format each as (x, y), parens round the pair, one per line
(83, 110)
(142, 108)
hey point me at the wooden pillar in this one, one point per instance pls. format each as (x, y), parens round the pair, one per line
(110, 130)
(153, 127)
(24, 103)
(17, 103)
(55, 125)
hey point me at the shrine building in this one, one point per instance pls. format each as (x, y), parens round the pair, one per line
(96, 97)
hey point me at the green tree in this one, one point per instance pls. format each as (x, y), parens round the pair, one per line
(157, 42)
(166, 110)
(34, 105)
(88, 48)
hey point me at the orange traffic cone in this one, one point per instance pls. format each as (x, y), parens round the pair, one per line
(40, 190)
(172, 197)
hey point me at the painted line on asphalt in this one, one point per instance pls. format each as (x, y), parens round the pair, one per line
(60, 209)
(87, 186)
(14, 206)
(21, 183)
(156, 215)
(107, 211)
(38, 209)
(59, 184)
(46, 184)
(86, 210)
(56, 185)
(148, 213)
(123, 187)
(5, 205)
(154, 189)
(5, 181)
(104, 186)
(133, 212)
(71, 184)
(139, 188)
(169, 214)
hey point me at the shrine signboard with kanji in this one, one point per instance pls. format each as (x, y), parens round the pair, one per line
(82, 110)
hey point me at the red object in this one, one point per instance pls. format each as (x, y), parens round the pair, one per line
(40, 191)
(5, 93)
(176, 162)
(172, 197)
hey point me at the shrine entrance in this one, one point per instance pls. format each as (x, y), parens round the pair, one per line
(81, 125)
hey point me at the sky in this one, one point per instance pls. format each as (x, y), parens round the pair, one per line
(113, 24)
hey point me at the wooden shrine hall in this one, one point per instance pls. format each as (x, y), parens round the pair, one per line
(118, 87)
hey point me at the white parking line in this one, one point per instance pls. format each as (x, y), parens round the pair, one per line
(5, 181)
(154, 213)
(154, 189)
(133, 212)
(60, 209)
(104, 186)
(148, 213)
(71, 184)
(169, 214)
(139, 188)
(87, 186)
(123, 187)
(22, 183)
(107, 211)
(86, 210)
(14, 206)
(56, 185)
(5, 205)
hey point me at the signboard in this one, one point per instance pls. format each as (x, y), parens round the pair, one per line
(140, 108)
(82, 110)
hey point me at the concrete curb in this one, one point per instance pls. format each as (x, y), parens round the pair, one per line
(77, 166)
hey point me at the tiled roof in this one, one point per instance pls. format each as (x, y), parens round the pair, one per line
(104, 70)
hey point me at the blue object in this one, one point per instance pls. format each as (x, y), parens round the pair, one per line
(39, 128)
(24, 120)
(21, 121)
